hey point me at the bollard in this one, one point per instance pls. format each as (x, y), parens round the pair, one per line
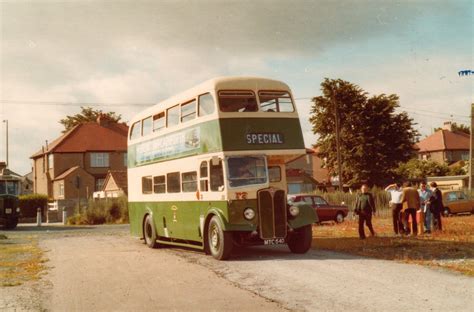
(64, 217)
(38, 217)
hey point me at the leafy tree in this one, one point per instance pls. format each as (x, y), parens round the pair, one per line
(87, 114)
(420, 169)
(458, 127)
(374, 139)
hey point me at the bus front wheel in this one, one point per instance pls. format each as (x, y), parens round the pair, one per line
(219, 242)
(149, 232)
(300, 240)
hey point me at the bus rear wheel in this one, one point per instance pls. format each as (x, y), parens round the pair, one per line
(220, 242)
(300, 240)
(149, 232)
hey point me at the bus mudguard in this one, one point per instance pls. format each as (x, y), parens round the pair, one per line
(306, 216)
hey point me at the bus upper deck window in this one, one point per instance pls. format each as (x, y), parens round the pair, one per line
(172, 115)
(135, 133)
(275, 101)
(206, 104)
(237, 101)
(188, 111)
(146, 126)
(159, 121)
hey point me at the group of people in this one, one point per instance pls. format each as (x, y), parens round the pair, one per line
(405, 202)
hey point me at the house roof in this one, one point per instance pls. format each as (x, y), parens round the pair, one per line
(66, 173)
(119, 176)
(90, 136)
(443, 140)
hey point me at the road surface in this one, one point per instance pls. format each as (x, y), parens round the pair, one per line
(107, 270)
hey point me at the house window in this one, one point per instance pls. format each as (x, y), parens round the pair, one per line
(189, 181)
(99, 160)
(50, 161)
(99, 183)
(146, 185)
(61, 189)
(159, 184)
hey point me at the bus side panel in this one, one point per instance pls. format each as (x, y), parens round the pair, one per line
(136, 213)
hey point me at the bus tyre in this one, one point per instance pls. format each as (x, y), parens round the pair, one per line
(11, 224)
(300, 240)
(219, 242)
(149, 232)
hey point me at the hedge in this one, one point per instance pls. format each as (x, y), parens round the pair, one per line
(31, 202)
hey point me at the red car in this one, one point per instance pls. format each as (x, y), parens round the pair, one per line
(324, 210)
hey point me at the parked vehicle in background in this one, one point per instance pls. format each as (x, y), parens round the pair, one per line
(455, 202)
(324, 210)
(9, 203)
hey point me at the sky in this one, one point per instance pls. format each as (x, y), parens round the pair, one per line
(122, 55)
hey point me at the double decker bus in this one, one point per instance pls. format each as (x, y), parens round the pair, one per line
(206, 168)
(9, 202)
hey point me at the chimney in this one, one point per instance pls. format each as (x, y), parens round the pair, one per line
(103, 120)
(447, 126)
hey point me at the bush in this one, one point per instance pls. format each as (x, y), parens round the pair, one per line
(103, 211)
(31, 202)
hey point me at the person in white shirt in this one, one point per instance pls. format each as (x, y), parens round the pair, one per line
(396, 192)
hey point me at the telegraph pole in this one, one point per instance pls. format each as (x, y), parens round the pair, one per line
(6, 140)
(338, 144)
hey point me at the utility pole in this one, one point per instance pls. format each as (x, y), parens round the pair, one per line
(6, 140)
(338, 144)
(471, 155)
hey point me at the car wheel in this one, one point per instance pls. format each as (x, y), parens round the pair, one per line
(446, 212)
(339, 217)
(219, 241)
(300, 240)
(149, 232)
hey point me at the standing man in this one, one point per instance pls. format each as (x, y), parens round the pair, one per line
(436, 202)
(425, 195)
(395, 191)
(411, 203)
(365, 207)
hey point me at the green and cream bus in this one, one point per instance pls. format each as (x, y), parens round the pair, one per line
(206, 168)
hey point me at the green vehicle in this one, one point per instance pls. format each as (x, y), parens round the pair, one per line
(206, 169)
(9, 203)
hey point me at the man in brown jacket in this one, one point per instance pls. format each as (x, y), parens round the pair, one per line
(411, 203)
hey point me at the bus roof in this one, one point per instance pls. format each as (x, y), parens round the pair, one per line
(219, 83)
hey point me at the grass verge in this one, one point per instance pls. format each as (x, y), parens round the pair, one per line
(21, 260)
(452, 249)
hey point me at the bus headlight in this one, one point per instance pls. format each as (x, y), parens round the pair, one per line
(294, 211)
(249, 213)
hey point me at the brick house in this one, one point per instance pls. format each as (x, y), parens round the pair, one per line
(445, 146)
(307, 173)
(75, 165)
(115, 184)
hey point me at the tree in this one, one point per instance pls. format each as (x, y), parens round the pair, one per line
(87, 114)
(374, 138)
(457, 127)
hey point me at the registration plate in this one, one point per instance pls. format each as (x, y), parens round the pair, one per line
(8, 210)
(275, 241)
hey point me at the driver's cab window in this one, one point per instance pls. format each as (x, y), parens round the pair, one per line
(217, 176)
(204, 177)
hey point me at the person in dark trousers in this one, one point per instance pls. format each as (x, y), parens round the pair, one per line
(365, 208)
(436, 206)
(411, 203)
(395, 191)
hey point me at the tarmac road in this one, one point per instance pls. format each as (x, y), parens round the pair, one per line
(104, 269)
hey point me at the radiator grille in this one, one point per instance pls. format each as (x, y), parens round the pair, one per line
(272, 213)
